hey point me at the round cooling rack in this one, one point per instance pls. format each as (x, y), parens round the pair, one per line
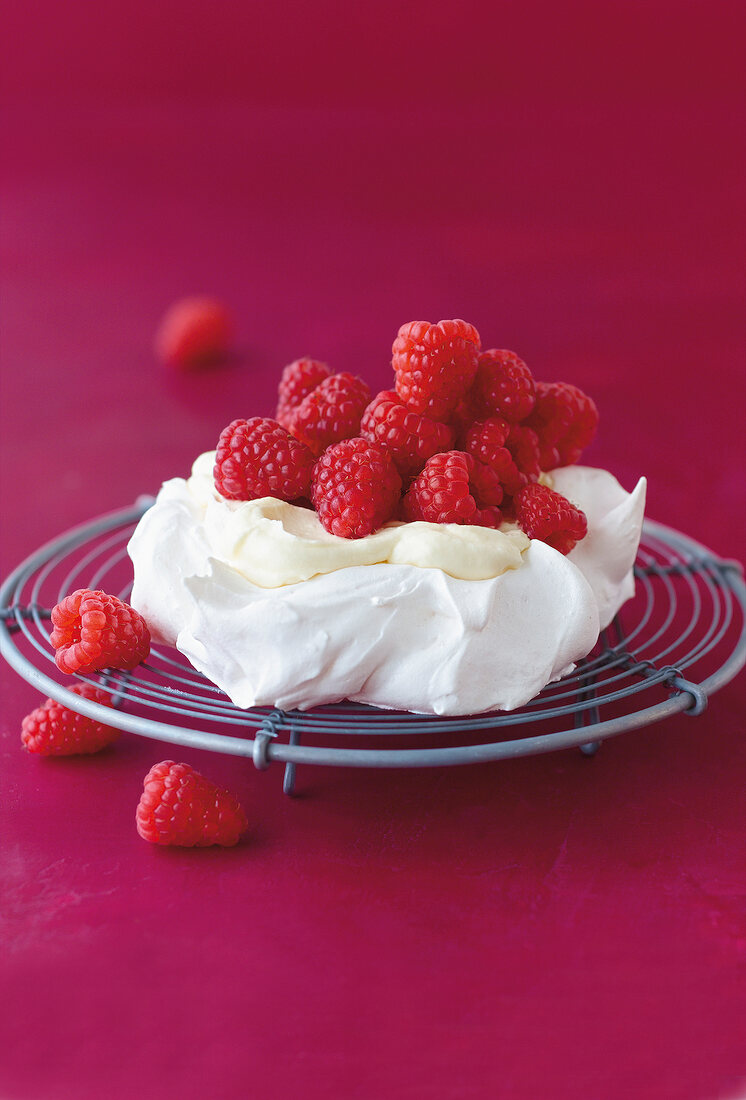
(681, 638)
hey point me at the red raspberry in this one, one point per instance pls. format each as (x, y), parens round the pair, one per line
(565, 420)
(486, 487)
(356, 487)
(179, 806)
(546, 515)
(259, 458)
(331, 412)
(486, 442)
(464, 415)
(523, 444)
(411, 438)
(299, 378)
(486, 435)
(453, 488)
(55, 730)
(503, 386)
(93, 630)
(195, 332)
(435, 365)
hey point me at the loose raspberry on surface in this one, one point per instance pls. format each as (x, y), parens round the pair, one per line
(55, 730)
(93, 630)
(435, 365)
(503, 386)
(331, 412)
(486, 441)
(454, 488)
(565, 421)
(356, 487)
(195, 332)
(298, 379)
(546, 515)
(180, 807)
(411, 438)
(259, 458)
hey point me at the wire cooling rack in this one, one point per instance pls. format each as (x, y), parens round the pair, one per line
(681, 638)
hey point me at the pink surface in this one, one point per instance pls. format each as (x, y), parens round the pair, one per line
(551, 926)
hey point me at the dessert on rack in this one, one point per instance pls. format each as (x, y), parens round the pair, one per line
(434, 548)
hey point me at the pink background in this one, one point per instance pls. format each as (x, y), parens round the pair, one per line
(568, 178)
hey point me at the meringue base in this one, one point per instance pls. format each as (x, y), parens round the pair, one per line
(395, 636)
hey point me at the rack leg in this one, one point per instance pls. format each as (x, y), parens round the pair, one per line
(288, 782)
(590, 748)
(588, 715)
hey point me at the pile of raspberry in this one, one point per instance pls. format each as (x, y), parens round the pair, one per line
(462, 437)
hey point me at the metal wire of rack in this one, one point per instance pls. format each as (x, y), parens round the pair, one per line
(680, 639)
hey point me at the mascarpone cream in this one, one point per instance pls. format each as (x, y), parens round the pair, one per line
(273, 543)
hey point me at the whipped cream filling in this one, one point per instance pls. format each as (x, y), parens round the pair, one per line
(437, 619)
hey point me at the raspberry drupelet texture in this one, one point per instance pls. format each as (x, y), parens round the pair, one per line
(178, 806)
(454, 488)
(93, 630)
(487, 435)
(503, 386)
(435, 365)
(356, 488)
(331, 412)
(523, 444)
(259, 458)
(546, 515)
(486, 442)
(486, 487)
(298, 379)
(411, 438)
(195, 332)
(464, 415)
(565, 421)
(55, 730)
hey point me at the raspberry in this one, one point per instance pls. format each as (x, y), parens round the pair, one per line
(435, 365)
(503, 386)
(55, 730)
(93, 631)
(487, 435)
(411, 438)
(179, 806)
(464, 415)
(356, 487)
(259, 458)
(546, 515)
(453, 488)
(331, 412)
(565, 420)
(299, 378)
(523, 444)
(486, 442)
(194, 332)
(486, 487)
